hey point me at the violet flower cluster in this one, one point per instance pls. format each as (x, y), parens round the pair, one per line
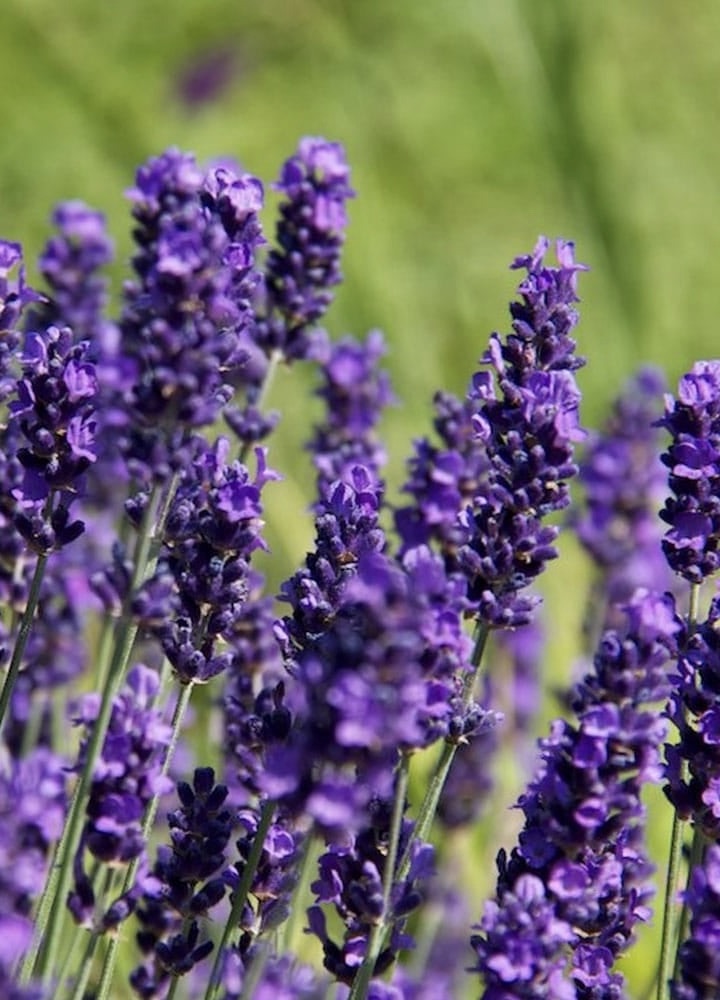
(571, 893)
(332, 740)
(508, 450)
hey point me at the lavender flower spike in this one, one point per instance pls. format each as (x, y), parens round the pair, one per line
(54, 410)
(187, 315)
(699, 955)
(624, 482)
(305, 265)
(692, 542)
(71, 264)
(508, 450)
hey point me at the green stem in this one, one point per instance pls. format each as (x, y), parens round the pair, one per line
(382, 928)
(23, 634)
(672, 921)
(438, 778)
(305, 868)
(108, 968)
(51, 909)
(667, 941)
(241, 893)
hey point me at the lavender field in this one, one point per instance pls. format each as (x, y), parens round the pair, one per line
(359, 633)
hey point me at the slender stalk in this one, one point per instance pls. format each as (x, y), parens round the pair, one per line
(381, 929)
(672, 920)
(51, 909)
(306, 866)
(241, 893)
(438, 778)
(108, 969)
(668, 939)
(26, 621)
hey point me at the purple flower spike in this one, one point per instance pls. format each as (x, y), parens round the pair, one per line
(507, 452)
(305, 265)
(71, 266)
(126, 778)
(351, 879)
(187, 316)
(55, 413)
(625, 482)
(184, 884)
(699, 955)
(692, 543)
(355, 393)
(582, 842)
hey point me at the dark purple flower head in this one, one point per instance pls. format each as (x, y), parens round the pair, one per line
(305, 265)
(213, 528)
(624, 483)
(32, 814)
(699, 955)
(507, 453)
(692, 541)
(187, 314)
(54, 411)
(351, 879)
(71, 266)
(582, 837)
(693, 761)
(383, 674)
(543, 317)
(185, 883)
(355, 393)
(127, 775)
(347, 527)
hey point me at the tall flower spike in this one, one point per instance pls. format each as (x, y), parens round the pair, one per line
(508, 450)
(351, 878)
(355, 392)
(579, 874)
(624, 483)
(699, 955)
(693, 762)
(187, 315)
(213, 528)
(127, 776)
(692, 542)
(71, 266)
(186, 882)
(305, 264)
(55, 412)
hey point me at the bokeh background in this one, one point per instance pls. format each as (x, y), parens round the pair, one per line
(471, 126)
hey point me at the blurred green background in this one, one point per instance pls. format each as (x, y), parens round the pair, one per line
(471, 126)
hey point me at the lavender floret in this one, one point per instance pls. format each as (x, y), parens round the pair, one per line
(692, 541)
(126, 777)
(305, 265)
(582, 840)
(699, 955)
(185, 883)
(188, 312)
(355, 392)
(625, 482)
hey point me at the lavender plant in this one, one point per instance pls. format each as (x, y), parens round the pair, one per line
(247, 766)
